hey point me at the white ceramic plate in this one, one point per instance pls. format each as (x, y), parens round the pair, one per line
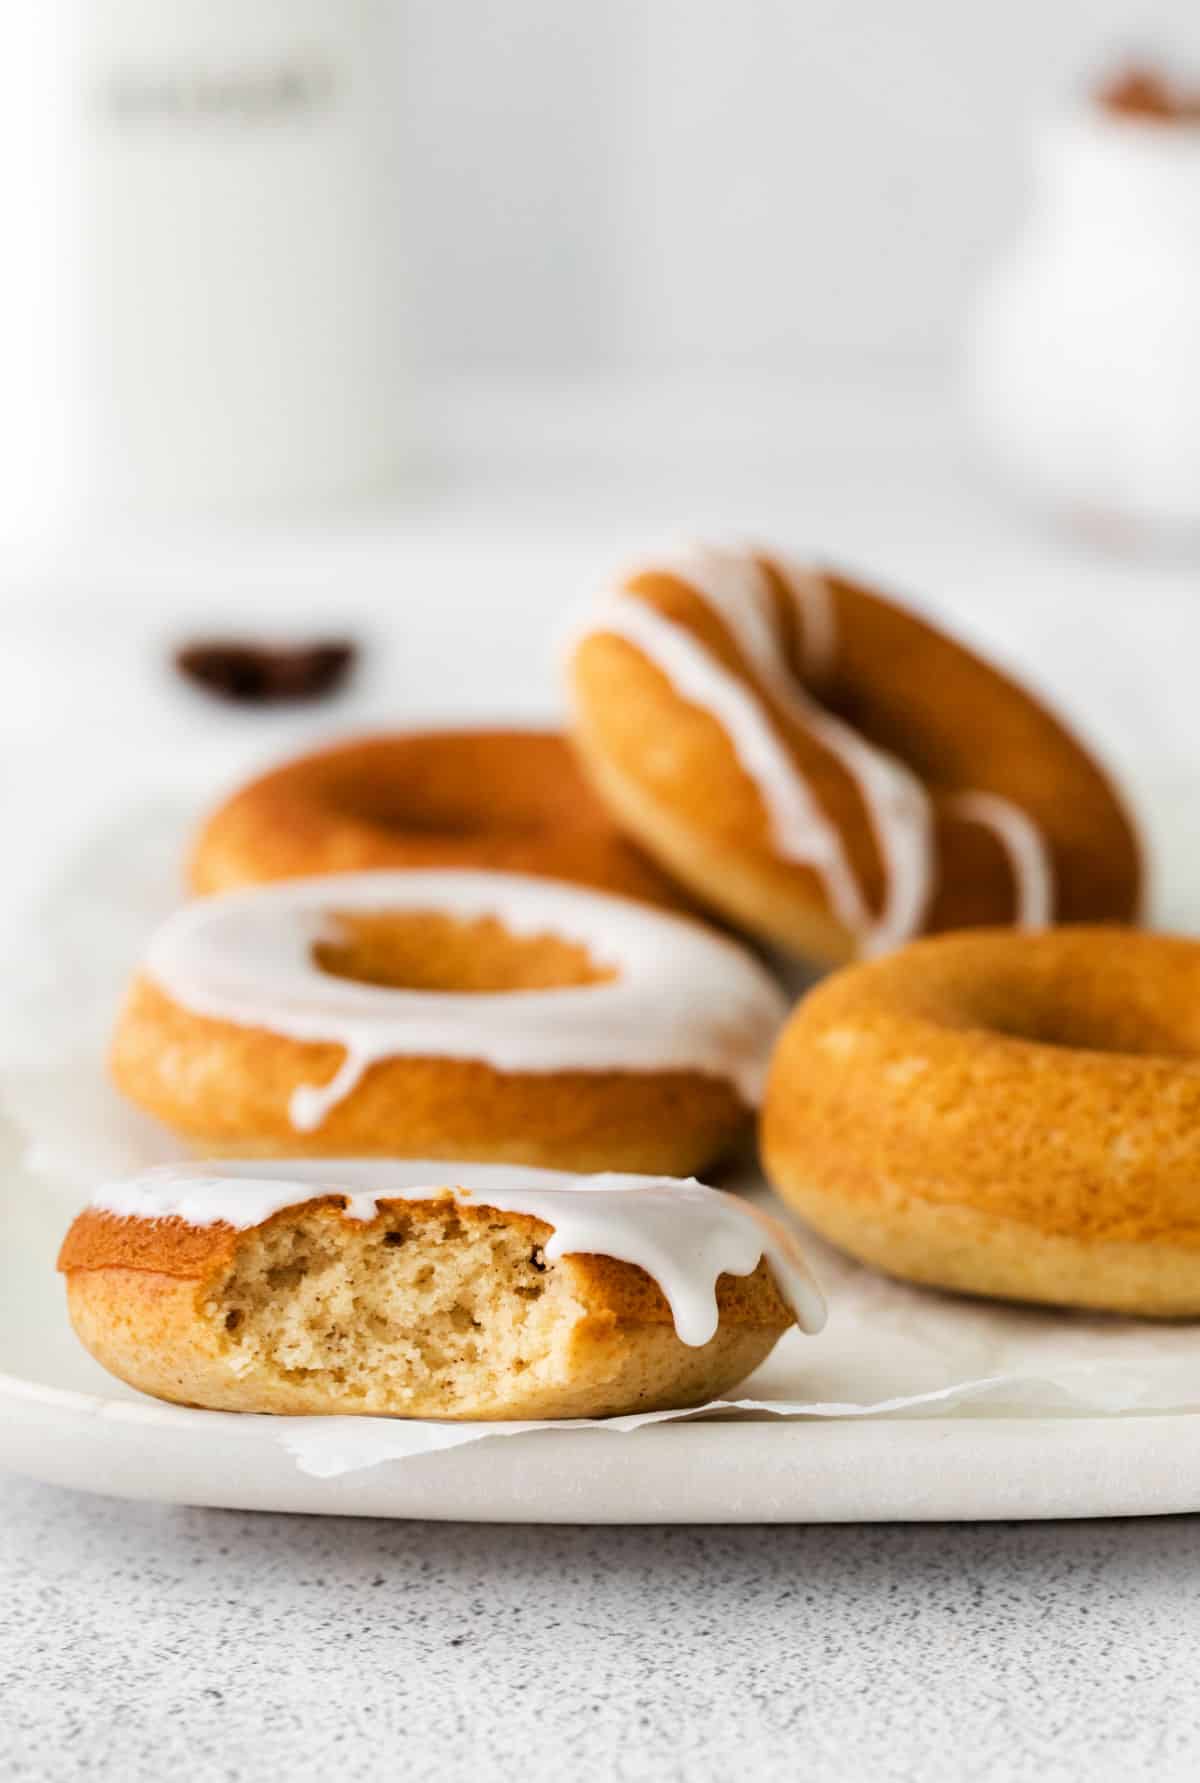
(64, 1421)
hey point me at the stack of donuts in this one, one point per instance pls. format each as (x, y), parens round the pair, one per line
(465, 1011)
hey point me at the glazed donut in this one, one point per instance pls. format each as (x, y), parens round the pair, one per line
(447, 1014)
(428, 1291)
(831, 771)
(1004, 1114)
(514, 801)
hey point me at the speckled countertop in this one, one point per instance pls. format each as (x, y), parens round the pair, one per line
(143, 1643)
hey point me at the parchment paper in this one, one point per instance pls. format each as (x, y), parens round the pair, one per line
(888, 1350)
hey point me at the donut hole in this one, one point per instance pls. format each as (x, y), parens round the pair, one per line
(1118, 1008)
(428, 951)
(1140, 1033)
(384, 807)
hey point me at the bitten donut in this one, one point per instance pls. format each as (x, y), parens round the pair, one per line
(430, 1291)
(512, 801)
(1005, 1114)
(447, 1014)
(831, 771)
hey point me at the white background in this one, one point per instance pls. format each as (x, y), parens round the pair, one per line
(668, 264)
(770, 184)
(742, 200)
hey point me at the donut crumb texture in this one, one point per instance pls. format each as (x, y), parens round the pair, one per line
(419, 1308)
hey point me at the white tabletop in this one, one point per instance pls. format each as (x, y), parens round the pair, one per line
(144, 1643)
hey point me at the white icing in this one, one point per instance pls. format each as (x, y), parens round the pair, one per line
(800, 828)
(901, 817)
(813, 597)
(733, 585)
(1025, 847)
(681, 1233)
(682, 998)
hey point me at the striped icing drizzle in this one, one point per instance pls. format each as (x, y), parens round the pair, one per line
(735, 588)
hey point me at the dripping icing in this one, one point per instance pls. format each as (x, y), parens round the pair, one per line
(680, 1232)
(682, 997)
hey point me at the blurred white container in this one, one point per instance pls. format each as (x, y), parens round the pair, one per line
(211, 213)
(1084, 350)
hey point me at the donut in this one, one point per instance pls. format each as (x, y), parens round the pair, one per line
(1004, 1114)
(513, 801)
(428, 1291)
(447, 1014)
(830, 771)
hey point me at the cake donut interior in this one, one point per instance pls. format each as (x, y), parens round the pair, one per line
(427, 1290)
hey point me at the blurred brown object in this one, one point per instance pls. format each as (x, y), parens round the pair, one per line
(255, 674)
(1141, 91)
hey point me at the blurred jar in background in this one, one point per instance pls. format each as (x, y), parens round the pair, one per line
(206, 200)
(1084, 350)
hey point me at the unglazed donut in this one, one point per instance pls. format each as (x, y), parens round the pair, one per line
(514, 801)
(429, 1291)
(831, 771)
(1004, 1114)
(447, 1014)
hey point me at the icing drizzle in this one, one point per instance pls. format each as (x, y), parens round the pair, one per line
(680, 1232)
(1025, 847)
(734, 586)
(681, 998)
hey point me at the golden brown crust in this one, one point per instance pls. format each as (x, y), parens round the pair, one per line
(510, 801)
(146, 1298)
(1005, 1114)
(970, 1251)
(99, 1240)
(226, 1090)
(144, 1330)
(957, 722)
